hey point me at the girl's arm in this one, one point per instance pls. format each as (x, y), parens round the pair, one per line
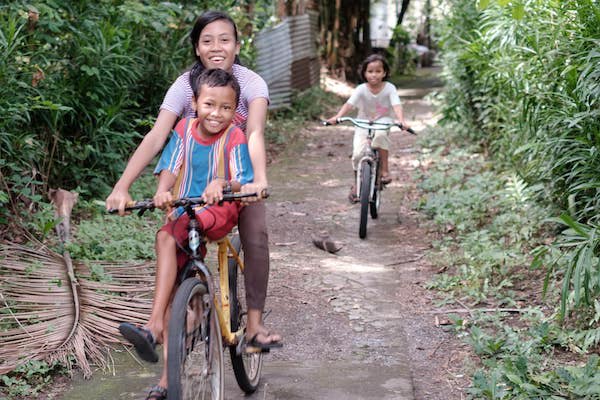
(143, 155)
(399, 115)
(346, 108)
(255, 133)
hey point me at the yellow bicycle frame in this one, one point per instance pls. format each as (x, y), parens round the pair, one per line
(225, 252)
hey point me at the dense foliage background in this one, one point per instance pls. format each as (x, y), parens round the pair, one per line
(521, 111)
(524, 78)
(81, 82)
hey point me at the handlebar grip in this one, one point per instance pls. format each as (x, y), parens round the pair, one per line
(326, 123)
(410, 130)
(129, 204)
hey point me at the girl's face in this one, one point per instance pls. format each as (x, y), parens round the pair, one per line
(217, 46)
(374, 73)
(215, 107)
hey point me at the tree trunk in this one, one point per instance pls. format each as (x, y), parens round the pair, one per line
(403, 9)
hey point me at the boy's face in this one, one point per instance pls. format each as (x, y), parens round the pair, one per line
(215, 107)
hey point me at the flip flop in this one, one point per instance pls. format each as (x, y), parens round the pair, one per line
(386, 179)
(254, 346)
(157, 393)
(324, 242)
(141, 339)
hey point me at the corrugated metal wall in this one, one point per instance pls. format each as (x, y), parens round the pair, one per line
(287, 58)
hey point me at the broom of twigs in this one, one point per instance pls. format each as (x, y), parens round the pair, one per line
(54, 309)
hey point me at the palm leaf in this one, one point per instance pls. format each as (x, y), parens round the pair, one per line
(49, 315)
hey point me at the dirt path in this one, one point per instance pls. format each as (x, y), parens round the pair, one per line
(364, 310)
(358, 324)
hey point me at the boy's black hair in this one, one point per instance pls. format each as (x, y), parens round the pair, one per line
(201, 22)
(216, 78)
(370, 59)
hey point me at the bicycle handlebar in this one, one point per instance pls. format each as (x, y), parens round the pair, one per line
(366, 124)
(148, 204)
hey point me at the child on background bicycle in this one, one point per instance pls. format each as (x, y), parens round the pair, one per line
(205, 156)
(376, 100)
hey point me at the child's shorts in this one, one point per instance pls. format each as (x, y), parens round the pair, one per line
(216, 221)
(380, 141)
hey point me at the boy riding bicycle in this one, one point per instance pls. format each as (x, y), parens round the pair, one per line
(204, 157)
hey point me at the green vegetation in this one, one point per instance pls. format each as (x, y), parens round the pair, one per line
(82, 82)
(29, 379)
(516, 203)
(489, 223)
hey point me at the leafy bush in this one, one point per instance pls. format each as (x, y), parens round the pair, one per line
(523, 77)
(82, 82)
(29, 379)
(488, 220)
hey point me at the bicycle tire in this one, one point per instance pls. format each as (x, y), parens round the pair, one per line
(365, 188)
(189, 374)
(374, 205)
(247, 367)
(376, 200)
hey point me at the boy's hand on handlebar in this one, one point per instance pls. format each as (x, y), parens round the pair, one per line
(330, 121)
(118, 200)
(163, 200)
(213, 192)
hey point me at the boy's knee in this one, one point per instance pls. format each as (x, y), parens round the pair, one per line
(164, 239)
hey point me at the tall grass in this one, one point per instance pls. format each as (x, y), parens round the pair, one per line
(524, 76)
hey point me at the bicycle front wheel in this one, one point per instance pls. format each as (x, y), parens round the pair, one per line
(365, 189)
(247, 367)
(376, 199)
(195, 347)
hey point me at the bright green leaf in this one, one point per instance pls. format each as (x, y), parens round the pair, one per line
(483, 4)
(518, 11)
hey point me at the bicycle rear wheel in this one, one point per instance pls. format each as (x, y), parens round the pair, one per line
(195, 347)
(365, 188)
(247, 367)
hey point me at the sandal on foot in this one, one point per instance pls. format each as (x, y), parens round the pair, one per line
(254, 345)
(386, 179)
(141, 339)
(157, 393)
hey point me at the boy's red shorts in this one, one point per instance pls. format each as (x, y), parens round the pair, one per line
(216, 221)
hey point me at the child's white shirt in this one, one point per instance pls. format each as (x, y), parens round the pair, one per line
(375, 107)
